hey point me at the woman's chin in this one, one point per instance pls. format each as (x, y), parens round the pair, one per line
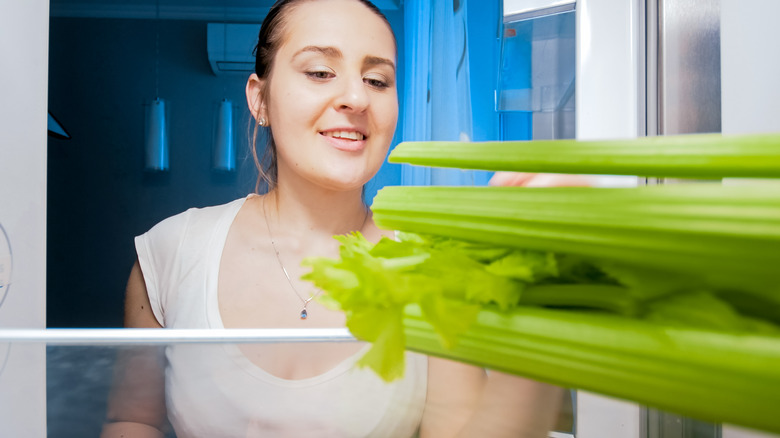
(340, 183)
(345, 179)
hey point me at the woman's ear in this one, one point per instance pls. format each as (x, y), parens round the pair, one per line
(254, 97)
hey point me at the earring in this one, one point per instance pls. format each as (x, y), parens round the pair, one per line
(262, 121)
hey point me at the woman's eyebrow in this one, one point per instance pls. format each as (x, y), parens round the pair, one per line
(372, 61)
(333, 52)
(330, 52)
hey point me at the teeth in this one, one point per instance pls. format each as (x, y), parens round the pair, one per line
(351, 135)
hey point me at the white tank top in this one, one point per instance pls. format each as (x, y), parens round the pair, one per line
(215, 391)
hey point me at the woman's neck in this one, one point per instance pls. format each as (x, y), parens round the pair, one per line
(314, 212)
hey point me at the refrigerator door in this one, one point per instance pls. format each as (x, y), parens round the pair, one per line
(749, 40)
(23, 154)
(688, 66)
(610, 71)
(537, 75)
(610, 89)
(535, 96)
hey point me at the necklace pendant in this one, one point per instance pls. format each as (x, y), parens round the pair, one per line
(304, 314)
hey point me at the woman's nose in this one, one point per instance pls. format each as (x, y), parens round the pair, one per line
(353, 96)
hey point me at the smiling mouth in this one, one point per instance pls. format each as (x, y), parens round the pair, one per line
(345, 135)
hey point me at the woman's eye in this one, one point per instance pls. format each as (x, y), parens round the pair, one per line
(319, 74)
(376, 83)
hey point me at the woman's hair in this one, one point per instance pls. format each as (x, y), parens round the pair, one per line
(269, 41)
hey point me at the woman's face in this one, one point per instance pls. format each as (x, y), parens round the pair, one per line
(331, 98)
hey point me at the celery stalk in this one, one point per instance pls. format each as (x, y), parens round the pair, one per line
(692, 155)
(714, 376)
(727, 238)
(613, 298)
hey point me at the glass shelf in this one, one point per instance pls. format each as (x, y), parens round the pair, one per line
(81, 371)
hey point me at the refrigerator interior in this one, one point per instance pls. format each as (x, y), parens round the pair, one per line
(536, 99)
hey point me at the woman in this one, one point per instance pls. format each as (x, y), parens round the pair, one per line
(325, 93)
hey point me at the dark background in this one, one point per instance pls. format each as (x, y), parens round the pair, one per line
(101, 73)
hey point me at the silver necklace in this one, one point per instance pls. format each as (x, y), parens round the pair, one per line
(304, 313)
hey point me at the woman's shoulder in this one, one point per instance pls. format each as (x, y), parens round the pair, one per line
(196, 222)
(212, 212)
(199, 215)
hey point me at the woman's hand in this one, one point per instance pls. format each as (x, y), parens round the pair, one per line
(523, 179)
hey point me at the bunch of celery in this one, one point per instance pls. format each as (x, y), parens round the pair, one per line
(665, 295)
(670, 237)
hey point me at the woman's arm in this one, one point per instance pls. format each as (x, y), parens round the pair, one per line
(454, 389)
(138, 309)
(136, 406)
(515, 407)
(467, 401)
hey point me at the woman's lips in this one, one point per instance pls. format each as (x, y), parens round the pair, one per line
(348, 141)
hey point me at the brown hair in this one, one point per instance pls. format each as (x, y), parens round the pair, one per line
(269, 41)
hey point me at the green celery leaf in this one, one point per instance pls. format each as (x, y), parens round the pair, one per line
(649, 283)
(701, 309)
(448, 317)
(382, 327)
(527, 266)
(479, 252)
(463, 278)
(578, 270)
